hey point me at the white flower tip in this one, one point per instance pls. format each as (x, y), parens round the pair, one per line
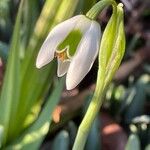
(40, 63)
(70, 84)
(68, 87)
(43, 59)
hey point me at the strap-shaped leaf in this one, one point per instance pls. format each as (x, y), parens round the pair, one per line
(61, 141)
(34, 82)
(4, 51)
(10, 89)
(107, 41)
(1, 134)
(118, 47)
(34, 135)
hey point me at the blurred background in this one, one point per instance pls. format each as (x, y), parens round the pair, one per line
(123, 122)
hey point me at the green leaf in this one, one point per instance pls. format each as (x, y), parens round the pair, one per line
(5, 20)
(34, 82)
(88, 4)
(147, 147)
(24, 84)
(72, 129)
(93, 140)
(84, 5)
(4, 51)
(133, 142)
(10, 89)
(43, 25)
(115, 56)
(134, 102)
(32, 78)
(61, 141)
(34, 135)
(30, 15)
(107, 41)
(1, 134)
(66, 10)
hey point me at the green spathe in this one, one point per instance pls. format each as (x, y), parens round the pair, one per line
(111, 52)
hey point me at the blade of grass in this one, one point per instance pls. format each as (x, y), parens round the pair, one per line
(41, 30)
(1, 135)
(5, 20)
(4, 51)
(66, 10)
(84, 6)
(30, 16)
(34, 77)
(88, 4)
(36, 80)
(34, 135)
(10, 89)
(33, 82)
(61, 141)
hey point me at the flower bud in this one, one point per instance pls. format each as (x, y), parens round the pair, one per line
(107, 41)
(118, 46)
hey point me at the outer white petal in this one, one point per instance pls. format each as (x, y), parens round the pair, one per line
(84, 57)
(57, 35)
(83, 24)
(62, 67)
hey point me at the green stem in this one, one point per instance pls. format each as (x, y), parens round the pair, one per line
(90, 115)
(101, 85)
(98, 7)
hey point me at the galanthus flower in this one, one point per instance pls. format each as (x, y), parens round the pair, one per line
(75, 43)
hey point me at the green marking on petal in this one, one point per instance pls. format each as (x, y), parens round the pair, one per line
(72, 40)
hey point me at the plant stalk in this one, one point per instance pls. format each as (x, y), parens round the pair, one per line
(98, 7)
(91, 113)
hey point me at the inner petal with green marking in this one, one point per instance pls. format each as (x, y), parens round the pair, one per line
(69, 45)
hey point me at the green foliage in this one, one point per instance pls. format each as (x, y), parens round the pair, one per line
(24, 120)
(133, 142)
(5, 19)
(29, 96)
(61, 141)
(33, 136)
(9, 96)
(4, 51)
(135, 101)
(93, 140)
(116, 53)
(147, 147)
(1, 134)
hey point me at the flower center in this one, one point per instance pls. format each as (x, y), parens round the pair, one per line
(67, 48)
(62, 55)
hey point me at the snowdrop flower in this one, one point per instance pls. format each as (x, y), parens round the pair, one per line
(75, 43)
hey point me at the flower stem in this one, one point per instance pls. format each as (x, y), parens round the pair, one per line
(90, 115)
(103, 80)
(98, 7)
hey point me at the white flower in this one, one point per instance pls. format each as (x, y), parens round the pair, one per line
(75, 42)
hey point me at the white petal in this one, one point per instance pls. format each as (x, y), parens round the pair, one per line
(84, 57)
(62, 67)
(83, 24)
(56, 36)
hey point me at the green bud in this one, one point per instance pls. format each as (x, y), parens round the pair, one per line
(107, 41)
(118, 47)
